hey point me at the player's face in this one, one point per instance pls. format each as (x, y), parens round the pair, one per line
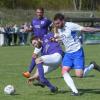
(36, 43)
(58, 23)
(39, 13)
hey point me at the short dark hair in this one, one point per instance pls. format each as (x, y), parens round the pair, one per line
(40, 8)
(59, 16)
(34, 38)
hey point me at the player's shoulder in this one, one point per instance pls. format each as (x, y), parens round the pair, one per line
(47, 19)
(34, 19)
(70, 25)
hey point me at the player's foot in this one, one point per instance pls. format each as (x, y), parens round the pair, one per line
(96, 66)
(26, 74)
(75, 94)
(55, 90)
(39, 84)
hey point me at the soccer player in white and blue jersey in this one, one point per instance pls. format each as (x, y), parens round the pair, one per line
(74, 54)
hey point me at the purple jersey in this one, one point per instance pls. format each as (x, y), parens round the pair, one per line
(50, 47)
(40, 26)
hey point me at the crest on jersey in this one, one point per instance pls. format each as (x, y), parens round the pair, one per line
(42, 22)
(46, 40)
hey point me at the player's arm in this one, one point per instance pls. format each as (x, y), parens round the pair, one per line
(37, 50)
(78, 27)
(90, 29)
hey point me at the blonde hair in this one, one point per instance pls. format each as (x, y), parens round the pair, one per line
(54, 29)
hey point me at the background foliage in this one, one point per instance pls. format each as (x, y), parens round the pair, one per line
(52, 4)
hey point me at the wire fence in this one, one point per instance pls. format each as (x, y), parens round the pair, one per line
(20, 16)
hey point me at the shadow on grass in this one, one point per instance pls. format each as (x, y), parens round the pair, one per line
(81, 92)
(58, 92)
(15, 94)
(50, 93)
(59, 77)
(93, 91)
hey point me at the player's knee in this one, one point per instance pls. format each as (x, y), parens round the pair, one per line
(80, 75)
(64, 70)
(38, 60)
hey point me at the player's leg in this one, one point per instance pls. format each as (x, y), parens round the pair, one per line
(47, 69)
(39, 63)
(92, 65)
(84, 71)
(66, 63)
(52, 60)
(79, 67)
(35, 76)
(79, 61)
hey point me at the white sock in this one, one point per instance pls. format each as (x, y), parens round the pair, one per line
(88, 69)
(69, 82)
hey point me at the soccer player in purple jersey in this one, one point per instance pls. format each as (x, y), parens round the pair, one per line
(51, 57)
(40, 26)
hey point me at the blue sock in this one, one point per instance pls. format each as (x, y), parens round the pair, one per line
(32, 65)
(42, 77)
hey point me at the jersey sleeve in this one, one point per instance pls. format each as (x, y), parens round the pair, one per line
(74, 26)
(37, 50)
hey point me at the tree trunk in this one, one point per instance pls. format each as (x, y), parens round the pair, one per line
(74, 3)
(80, 4)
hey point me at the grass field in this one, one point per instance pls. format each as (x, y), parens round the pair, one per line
(14, 60)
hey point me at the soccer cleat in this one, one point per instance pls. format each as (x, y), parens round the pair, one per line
(96, 67)
(55, 90)
(26, 74)
(75, 94)
(39, 84)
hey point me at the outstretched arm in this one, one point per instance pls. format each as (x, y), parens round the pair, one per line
(90, 29)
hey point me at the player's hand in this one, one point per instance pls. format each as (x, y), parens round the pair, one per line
(34, 55)
(30, 80)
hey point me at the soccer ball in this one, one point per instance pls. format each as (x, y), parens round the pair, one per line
(9, 89)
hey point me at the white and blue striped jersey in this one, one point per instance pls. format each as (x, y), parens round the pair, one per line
(69, 37)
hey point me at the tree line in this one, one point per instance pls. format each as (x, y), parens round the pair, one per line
(52, 4)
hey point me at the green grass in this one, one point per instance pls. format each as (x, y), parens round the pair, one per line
(14, 60)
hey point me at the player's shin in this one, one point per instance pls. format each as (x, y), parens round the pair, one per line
(43, 79)
(69, 81)
(88, 69)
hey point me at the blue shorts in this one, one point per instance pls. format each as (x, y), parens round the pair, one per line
(74, 60)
